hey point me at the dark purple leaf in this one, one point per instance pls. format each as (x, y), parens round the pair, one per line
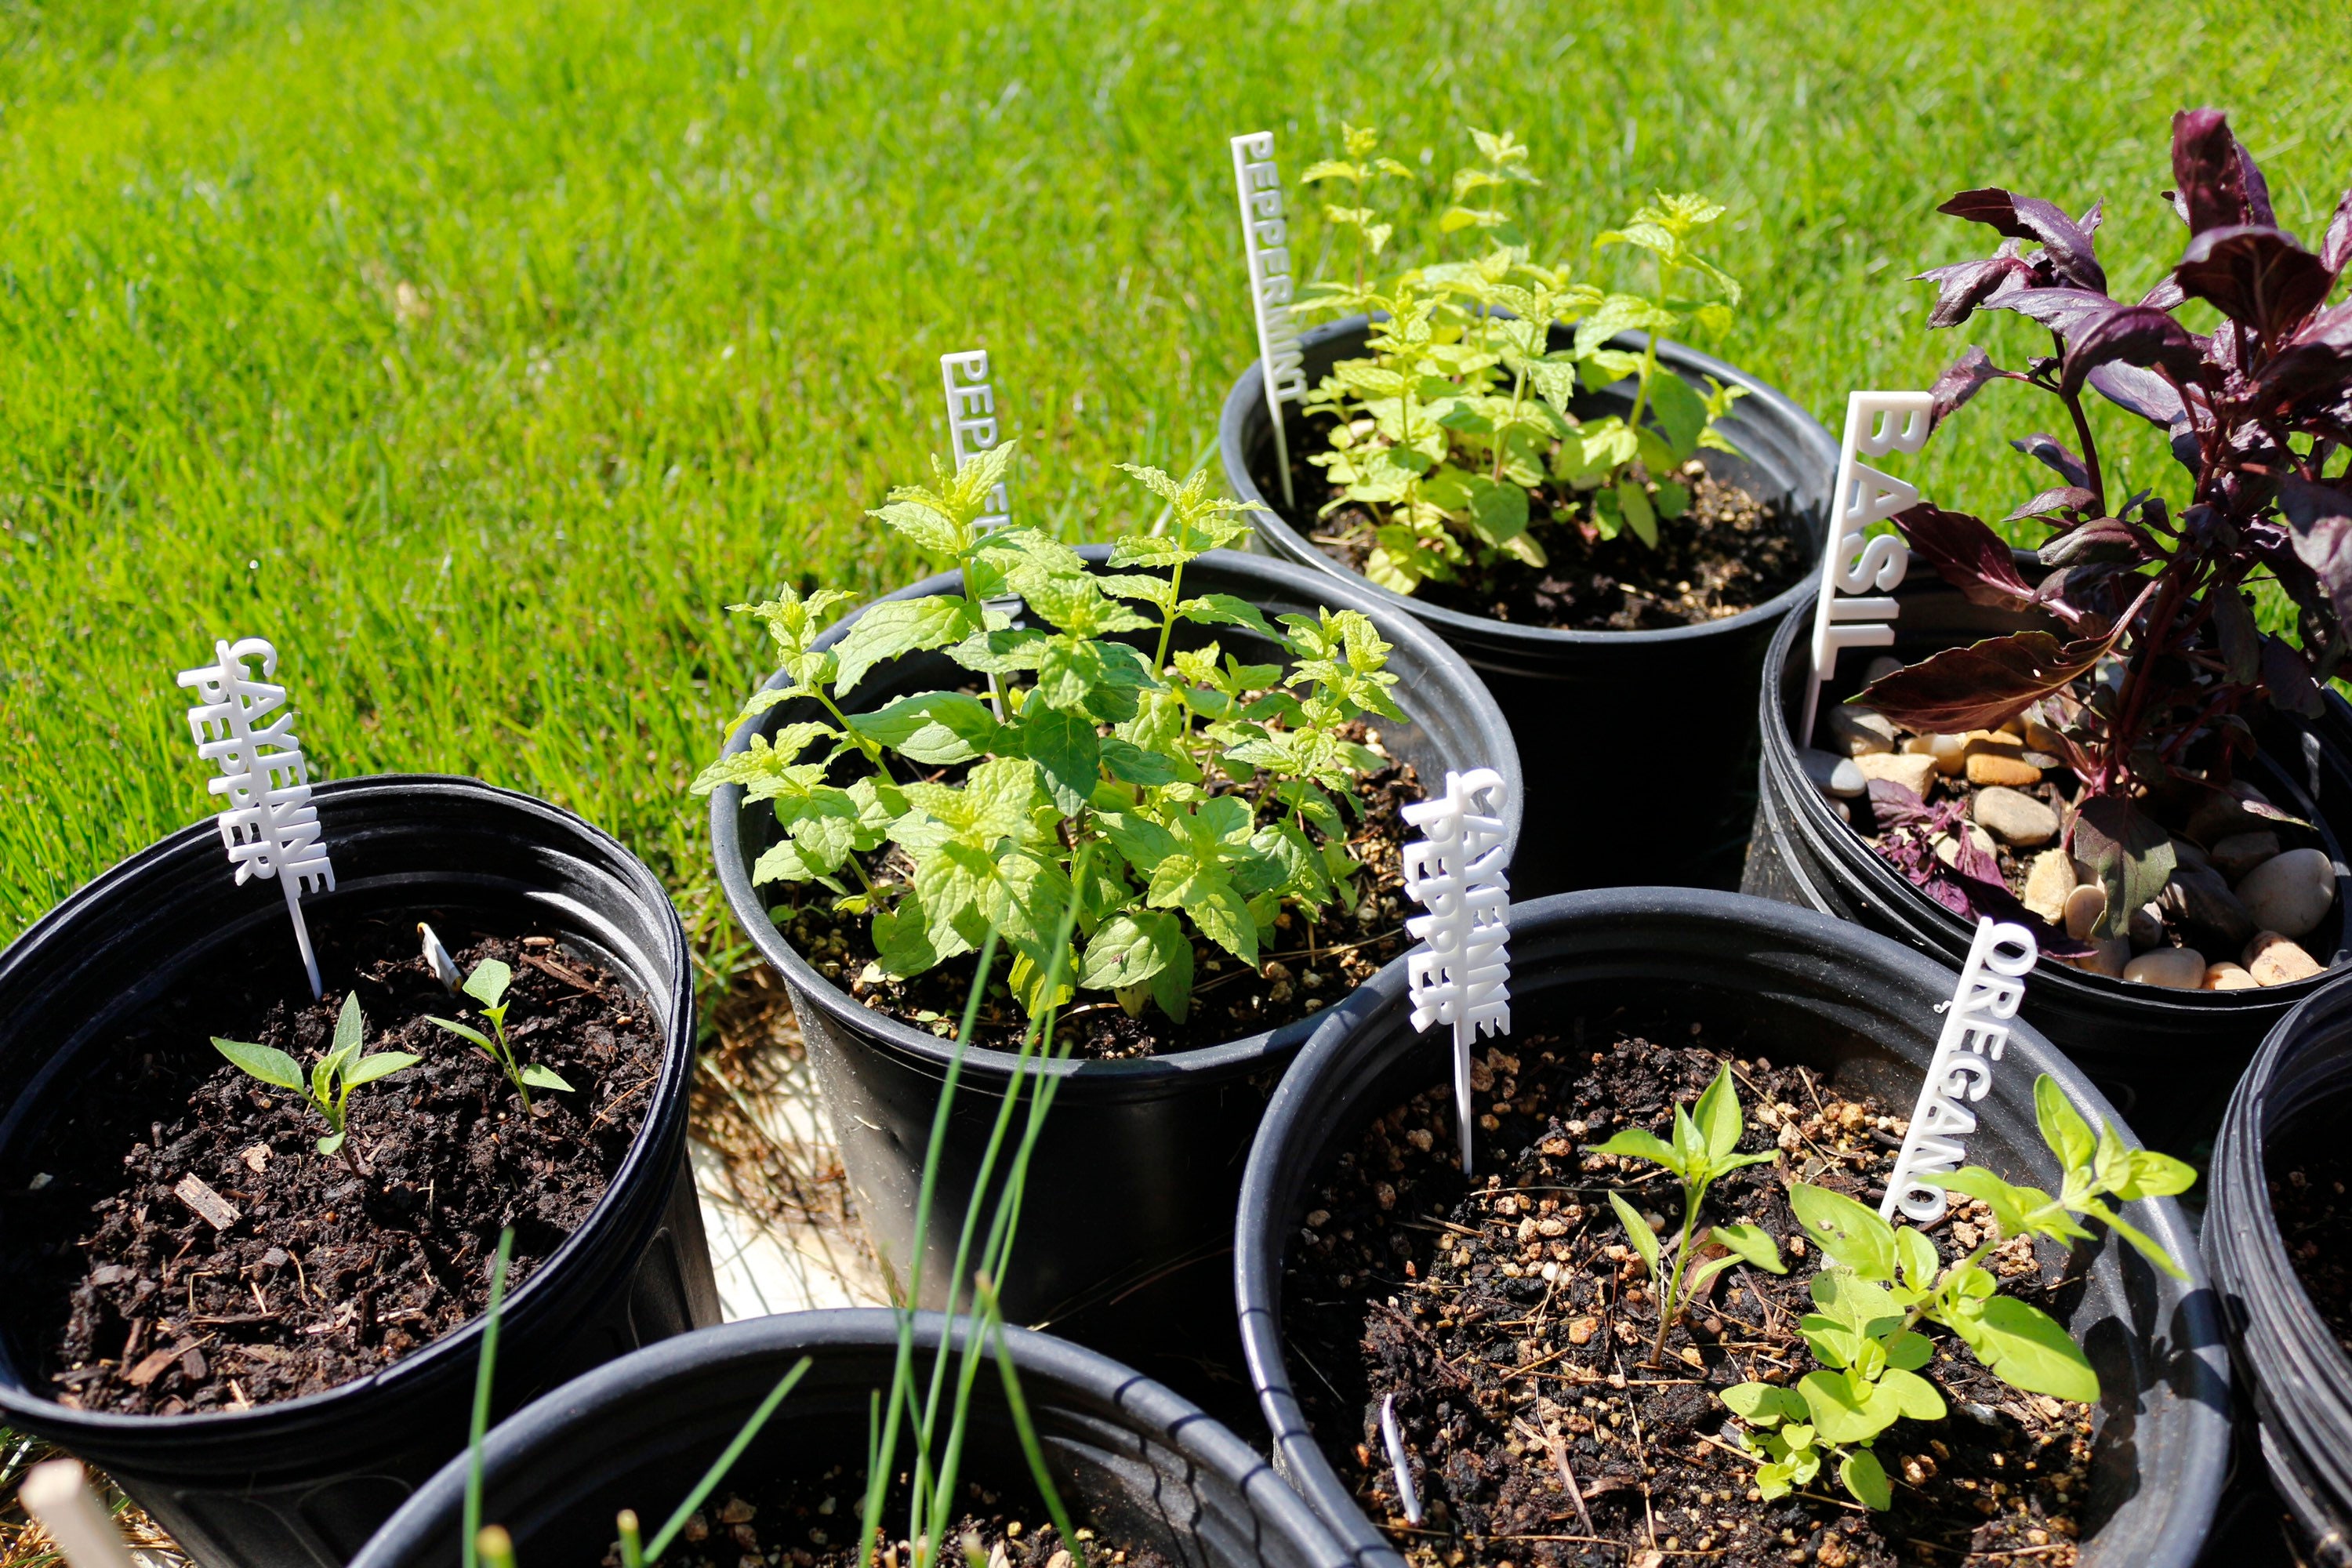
(2131, 334)
(2127, 854)
(1967, 375)
(2101, 539)
(1967, 554)
(2065, 498)
(2254, 274)
(2067, 243)
(2336, 246)
(2060, 310)
(1963, 286)
(2219, 182)
(2286, 676)
(2047, 448)
(2322, 519)
(2140, 392)
(2317, 359)
(2165, 296)
(2082, 596)
(2241, 640)
(1983, 685)
(1894, 806)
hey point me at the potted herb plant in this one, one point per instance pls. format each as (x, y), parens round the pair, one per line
(1604, 523)
(245, 1234)
(1611, 1335)
(2274, 1237)
(1211, 748)
(2097, 733)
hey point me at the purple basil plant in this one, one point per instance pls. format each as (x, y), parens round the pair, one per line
(2145, 691)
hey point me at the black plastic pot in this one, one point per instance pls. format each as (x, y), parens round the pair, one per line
(1640, 744)
(1133, 1185)
(1133, 1460)
(1802, 988)
(2169, 1057)
(2293, 1099)
(303, 1483)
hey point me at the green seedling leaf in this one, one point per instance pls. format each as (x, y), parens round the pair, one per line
(464, 1032)
(1851, 1234)
(1637, 1231)
(350, 1028)
(488, 982)
(267, 1063)
(538, 1077)
(332, 1143)
(2028, 1349)
(384, 1064)
(1764, 1405)
(2062, 1127)
(1844, 1411)
(1917, 1257)
(1866, 1479)
(1636, 1144)
(1717, 1115)
(1751, 1244)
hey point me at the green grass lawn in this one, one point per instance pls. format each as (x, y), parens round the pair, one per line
(482, 355)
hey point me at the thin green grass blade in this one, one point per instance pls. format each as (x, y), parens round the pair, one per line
(472, 1524)
(725, 1461)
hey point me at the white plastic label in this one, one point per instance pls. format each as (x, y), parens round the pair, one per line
(266, 821)
(1858, 573)
(1976, 1031)
(1265, 247)
(971, 421)
(1407, 1498)
(1461, 974)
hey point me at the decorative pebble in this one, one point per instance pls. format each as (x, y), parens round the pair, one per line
(2289, 893)
(2146, 926)
(2274, 960)
(2176, 968)
(2043, 738)
(2107, 957)
(1951, 755)
(1833, 774)
(2048, 883)
(2241, 852)
(2018, 818)
(1913, 772)
(2228, 976)
(2224, 816)
(1996, 767)
(1861, 733)
(2084, 905)
(1947, 848)
(2198, 896)
(2185, 852)
(1879, 669)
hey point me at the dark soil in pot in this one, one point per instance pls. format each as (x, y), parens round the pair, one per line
(325, 1273)
(1314, 963)
(165, 949)
(1523, 1281)
(1583, 670)
(1142, 1155)
(1831, 1027)
(1141, 1468)
(2167, 1057)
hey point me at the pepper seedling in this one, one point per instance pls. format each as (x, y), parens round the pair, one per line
(1882, 1281)
(332, 1077)
(487, 986)
(1706, 1147)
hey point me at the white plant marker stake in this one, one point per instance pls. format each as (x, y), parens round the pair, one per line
(437, 959)
(1976, 1031)
(1461, 974)
(1395, 1441)
(1265, 247)
(1852, 564)
(971, 421)
(269, 824)
(55, 1494)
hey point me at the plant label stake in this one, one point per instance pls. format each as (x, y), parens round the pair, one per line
(1408, 1499)
(269, 824)
(55, 1494)
(971, 421)
(1461, 975)
(1976, 1031)
(1852, 564)
(1265, 247)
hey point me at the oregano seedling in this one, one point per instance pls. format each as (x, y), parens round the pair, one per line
(487, 986)
(328, 1084)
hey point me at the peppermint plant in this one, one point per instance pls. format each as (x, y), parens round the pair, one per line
(1456, 433)
(1218, 792)
(1705, 1149)
(487, 986)
(328, 1084)
(1883, 1281)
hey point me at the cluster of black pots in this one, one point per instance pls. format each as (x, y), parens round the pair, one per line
(1644, 741)
(1125, 1248)
(303, 1483)
(2169, 1057)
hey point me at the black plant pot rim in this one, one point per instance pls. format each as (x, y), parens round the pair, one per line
(452, 1355)
(1248, 397)
(608, 1396)
(1259, 1229)
(1144, 1077)
(1882, 882)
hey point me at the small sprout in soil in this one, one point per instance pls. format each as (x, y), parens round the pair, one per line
(1706, 1147)
(1881, 1281)
(487, 986)
(332, 1077)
